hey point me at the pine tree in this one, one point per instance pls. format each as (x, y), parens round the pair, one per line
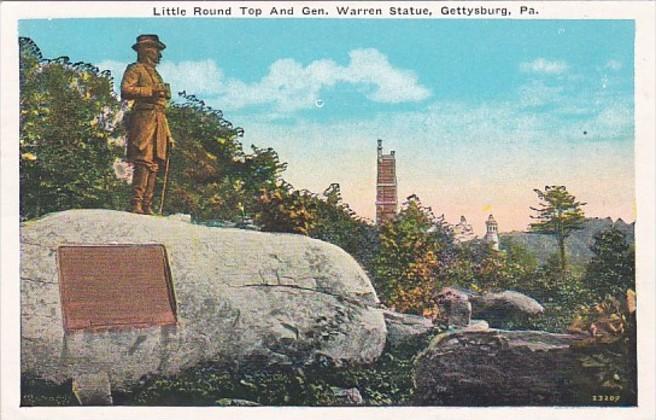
(558, 214)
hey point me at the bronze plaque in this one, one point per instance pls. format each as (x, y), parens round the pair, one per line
(109, 286)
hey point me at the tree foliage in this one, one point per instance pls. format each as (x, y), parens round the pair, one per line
(211, 176)
(612, 269)
(284, 209)
(477, 266)
(72, 142)
(408, 259)
(70, 135)
(338, 224)
(326, 217)
(558, 214)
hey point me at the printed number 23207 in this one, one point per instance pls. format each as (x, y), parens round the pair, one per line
(606, 398)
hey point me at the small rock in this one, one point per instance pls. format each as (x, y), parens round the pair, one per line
(478, 325)
(235, 402)
(403, 328)
(350, 396)
(454, 307)
(92, 389)
(180, 217)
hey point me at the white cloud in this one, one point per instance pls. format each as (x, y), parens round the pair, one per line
(613, 121)
(613, 65)
(537, 94)
(290, 86)
(392, 85)
(544, 66)
(196, 77)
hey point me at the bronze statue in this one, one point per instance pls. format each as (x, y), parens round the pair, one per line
(149, 137)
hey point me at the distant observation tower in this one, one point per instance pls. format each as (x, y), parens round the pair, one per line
(492, 234)
(386, 188)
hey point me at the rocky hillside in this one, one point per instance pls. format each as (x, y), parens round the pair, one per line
(577, 245)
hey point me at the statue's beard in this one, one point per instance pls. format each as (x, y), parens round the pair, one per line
(148, 60)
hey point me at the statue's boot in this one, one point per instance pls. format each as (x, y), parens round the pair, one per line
(139, 181)
(149, 193)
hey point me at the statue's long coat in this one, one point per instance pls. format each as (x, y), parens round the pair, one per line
(148, 128)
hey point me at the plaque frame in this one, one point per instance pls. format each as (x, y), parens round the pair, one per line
(73, 321)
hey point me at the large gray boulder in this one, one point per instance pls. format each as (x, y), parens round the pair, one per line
(241, 296)
(498, 308)
(496, 367)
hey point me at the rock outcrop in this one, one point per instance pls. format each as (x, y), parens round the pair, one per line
(242, 296)
(499, 308)
(405, 329)
(496, 367)
(454, 306)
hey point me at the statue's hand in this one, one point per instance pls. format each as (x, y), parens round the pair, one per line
(167, 91)
(159, 91)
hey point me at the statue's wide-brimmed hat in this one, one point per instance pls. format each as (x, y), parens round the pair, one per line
(148, 40)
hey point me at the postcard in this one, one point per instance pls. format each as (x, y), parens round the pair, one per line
(328, 209)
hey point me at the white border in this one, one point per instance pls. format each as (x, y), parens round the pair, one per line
(644, 14)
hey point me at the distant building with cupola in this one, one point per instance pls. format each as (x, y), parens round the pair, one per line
(492, 233)
(463, 231)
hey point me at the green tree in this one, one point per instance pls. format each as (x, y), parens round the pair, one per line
(70, 135)
(211, 176)
(477, 266)
(338, 224)
(459, 267)
(558, 214)
(518, 254)
(611, 271)
(406, 266)
(284, 209)
(326, 217)
(512, 269)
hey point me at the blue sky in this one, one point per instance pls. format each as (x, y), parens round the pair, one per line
(480, 112)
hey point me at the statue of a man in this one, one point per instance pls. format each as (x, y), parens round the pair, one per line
(149, 137)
